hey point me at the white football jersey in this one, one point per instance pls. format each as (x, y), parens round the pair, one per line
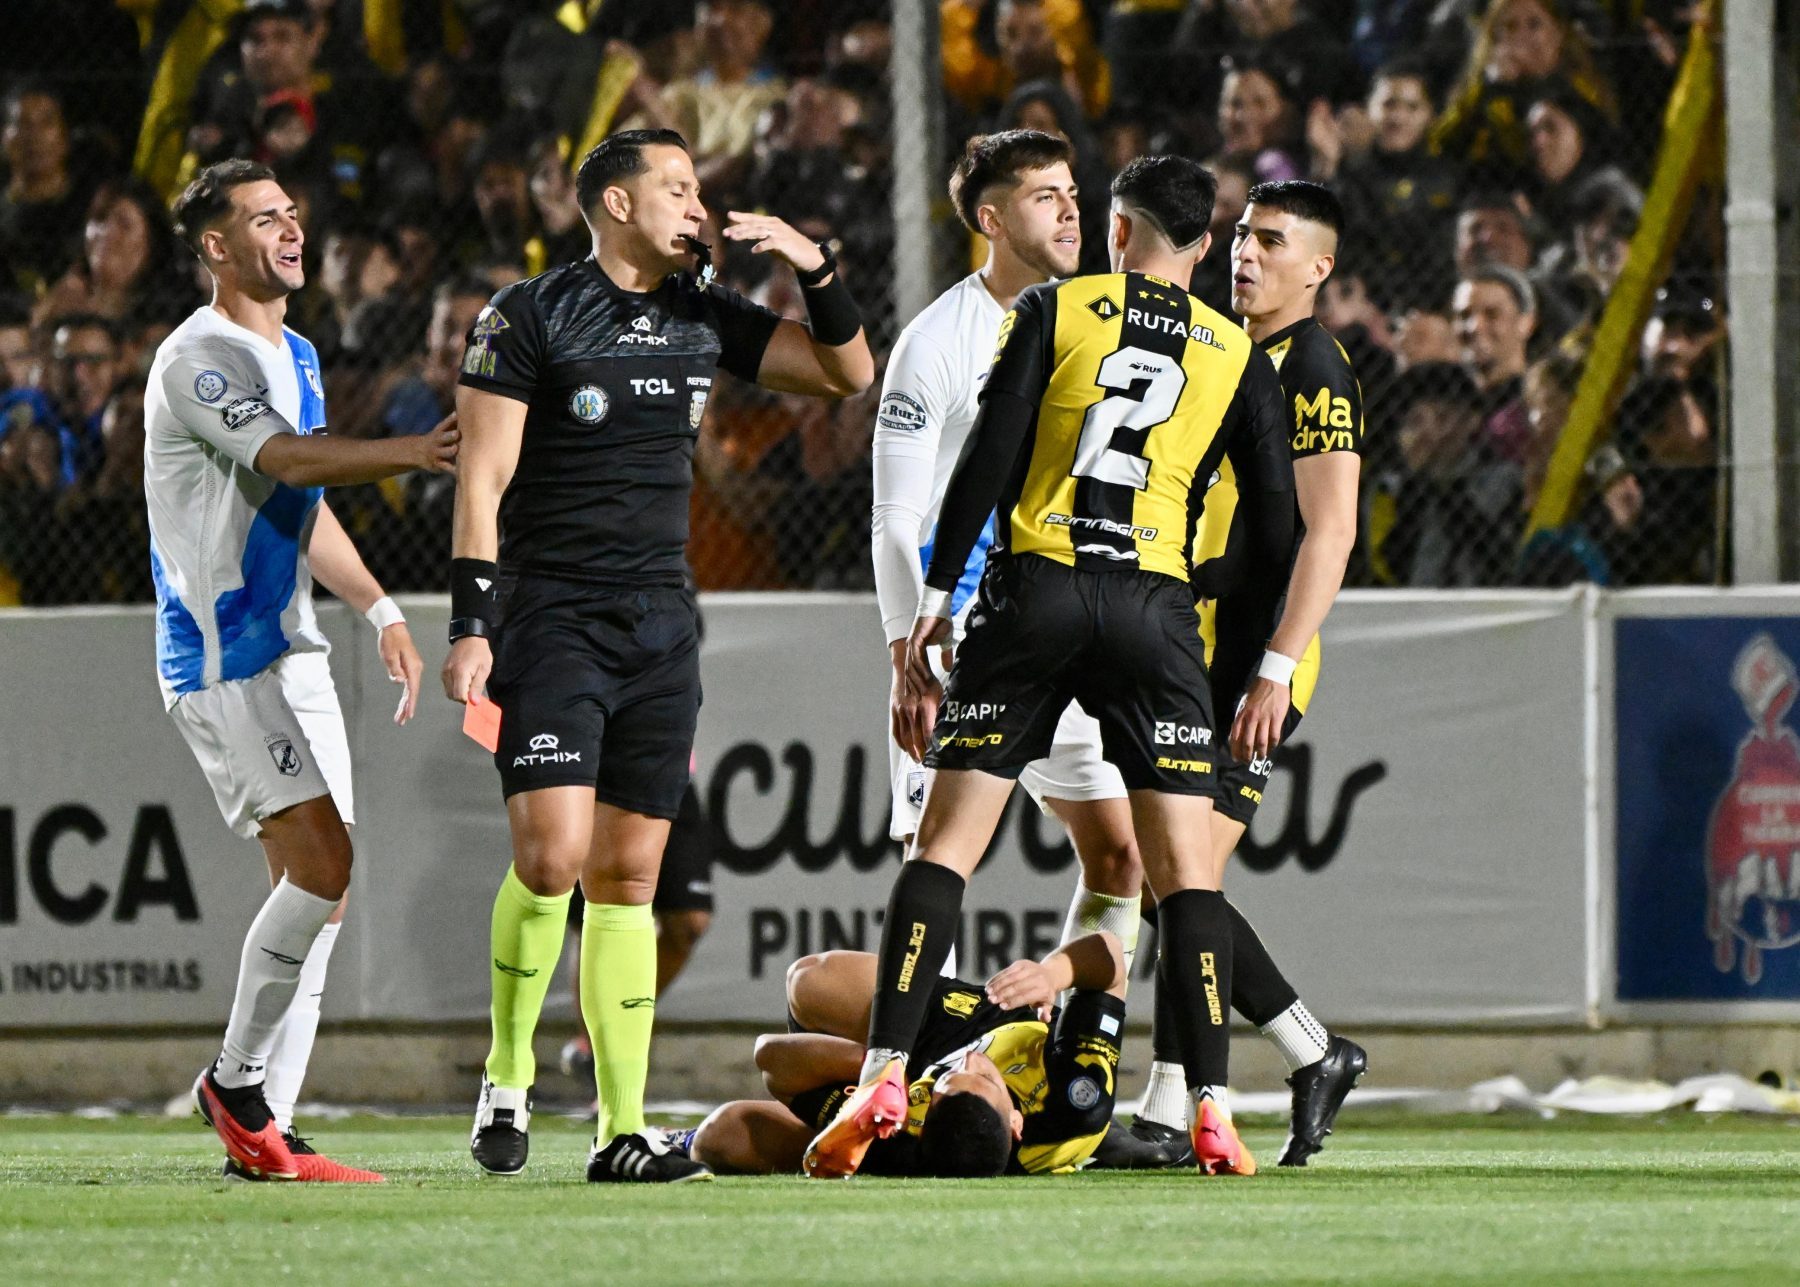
(227, 544)
(928, 404)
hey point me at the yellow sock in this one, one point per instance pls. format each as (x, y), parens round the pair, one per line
(618, 1001)
(526, 938)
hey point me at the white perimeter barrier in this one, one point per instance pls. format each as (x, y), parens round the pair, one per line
(1436, 847)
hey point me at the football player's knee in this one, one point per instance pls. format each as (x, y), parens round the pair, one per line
(799, 978)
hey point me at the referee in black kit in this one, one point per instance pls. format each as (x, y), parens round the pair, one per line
(581, 395)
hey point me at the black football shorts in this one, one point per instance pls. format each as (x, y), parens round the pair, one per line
(598, 687)
(1125, 644)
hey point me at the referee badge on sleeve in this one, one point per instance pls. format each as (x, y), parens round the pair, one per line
(696, 407)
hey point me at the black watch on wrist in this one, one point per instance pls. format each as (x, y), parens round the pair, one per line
(814, 276)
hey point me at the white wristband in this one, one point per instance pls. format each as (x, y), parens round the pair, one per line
(384, 612)
(934, 603)
(1277, 669)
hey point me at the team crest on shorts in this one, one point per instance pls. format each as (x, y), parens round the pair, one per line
(588, 404)
(915, 788)
(209, 387)
(287, 759)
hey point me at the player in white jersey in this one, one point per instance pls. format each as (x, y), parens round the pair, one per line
(1015, 189)
(234, 473)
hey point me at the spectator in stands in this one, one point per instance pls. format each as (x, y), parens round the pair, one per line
(130, 269)
(716, 108)
(1496, 314)
(1259, 121)
(501, 169)
(1455, 503)
(1425, 332)
(1605, 214)
(21, 364)
(426, 391)
(1036, 40)
(102, 525)
(85, 367)
(1521, 47)
(1492, 229)
(564, 234)
(1399, 198)
(1570, 140)
(1679, 339)
(277, 43)
(1348, 308)
(1286, 29)
(1549, 391)
(41, 207)
(1211, 278)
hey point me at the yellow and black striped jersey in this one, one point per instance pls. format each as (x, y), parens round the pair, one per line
(1110, 396)
(1323, 399)
(1064, 1083)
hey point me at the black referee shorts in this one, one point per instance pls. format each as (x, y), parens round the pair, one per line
(598, 687)
(1125, 644)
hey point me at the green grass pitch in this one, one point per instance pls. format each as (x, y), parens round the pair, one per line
(1502, 1200)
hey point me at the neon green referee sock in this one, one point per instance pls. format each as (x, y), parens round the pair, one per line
(526, 938)
(618, 1001)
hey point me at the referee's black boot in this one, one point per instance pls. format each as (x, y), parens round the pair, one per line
(501, 1140)
(1319, 1091)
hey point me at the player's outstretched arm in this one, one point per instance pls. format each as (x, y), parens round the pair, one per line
(494, 426)
(322, 460)
(828, 358)
(1093, 963)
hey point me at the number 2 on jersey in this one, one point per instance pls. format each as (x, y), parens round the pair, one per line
(1148, 385)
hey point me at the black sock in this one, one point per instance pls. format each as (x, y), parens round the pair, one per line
(1194, 969)
(1259, 990)
(1165, 1046)
(916, 938)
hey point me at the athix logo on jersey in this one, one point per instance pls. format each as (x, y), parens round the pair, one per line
(1753, 842)
(643, 332)
(588, 404)
(900, 412)
(1169, 733)
(287, 759)
(209, 387)
(544, 750)
(241, 411)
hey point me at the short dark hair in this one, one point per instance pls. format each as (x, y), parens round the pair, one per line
(87, 322)
(1303, 199)
(208, 197)
(618, 156)
(462, 286)
(1172, 192)
(1000, 158)
(1511, 280)
(1407, 67)
(964, 1138)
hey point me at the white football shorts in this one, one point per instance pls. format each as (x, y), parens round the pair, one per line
(1075, 769)
(270, 742)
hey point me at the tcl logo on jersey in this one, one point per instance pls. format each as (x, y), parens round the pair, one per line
(642, 332)
(652, 388)
(1169, 733)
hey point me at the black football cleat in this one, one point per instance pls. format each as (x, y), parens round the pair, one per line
(1175, 1143)
(1319, 1091)
(644, 1158)
(501, 1140)
(1125, 1150)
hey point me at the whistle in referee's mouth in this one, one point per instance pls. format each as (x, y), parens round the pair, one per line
(703, 260)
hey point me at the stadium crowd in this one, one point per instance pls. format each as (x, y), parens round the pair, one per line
(1493, 157)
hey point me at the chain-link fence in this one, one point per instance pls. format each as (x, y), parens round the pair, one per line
(1494, 158)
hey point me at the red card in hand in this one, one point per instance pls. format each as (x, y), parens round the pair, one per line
(481, 721)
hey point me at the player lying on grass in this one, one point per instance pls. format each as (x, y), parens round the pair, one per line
(1006, 1082)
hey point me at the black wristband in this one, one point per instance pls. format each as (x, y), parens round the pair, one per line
(474, 597)
(832, 310)
(813, 276)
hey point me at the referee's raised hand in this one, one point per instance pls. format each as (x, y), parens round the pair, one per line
(768, 235)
